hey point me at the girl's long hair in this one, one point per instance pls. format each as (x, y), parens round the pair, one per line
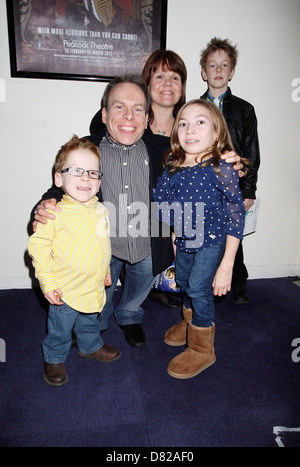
(176, 156)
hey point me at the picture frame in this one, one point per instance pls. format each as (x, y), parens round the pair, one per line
(83, 39)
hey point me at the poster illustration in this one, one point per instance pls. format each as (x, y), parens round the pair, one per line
(83, 39)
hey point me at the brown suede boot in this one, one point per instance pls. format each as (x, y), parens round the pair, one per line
(176, 335)
(199, 355)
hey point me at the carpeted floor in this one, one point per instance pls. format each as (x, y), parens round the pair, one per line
(251, 389)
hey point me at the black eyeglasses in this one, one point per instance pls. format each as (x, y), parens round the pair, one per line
(79, 172)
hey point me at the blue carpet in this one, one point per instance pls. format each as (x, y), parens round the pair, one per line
(252, 388)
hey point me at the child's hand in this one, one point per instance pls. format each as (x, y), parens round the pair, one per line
(222, 281)
(107, 280)
(248, 203)
(54, 297)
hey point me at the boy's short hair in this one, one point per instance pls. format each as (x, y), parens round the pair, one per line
(215, 44)
(74, 143)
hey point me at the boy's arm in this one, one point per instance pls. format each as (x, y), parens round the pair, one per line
(40, 249)
(250, 151)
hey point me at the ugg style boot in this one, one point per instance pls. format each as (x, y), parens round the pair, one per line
(176, 335)
(199, 355)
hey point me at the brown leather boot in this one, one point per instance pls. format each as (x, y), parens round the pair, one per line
(176, 335)
(199, 355)
(55, 374)
(106, 354)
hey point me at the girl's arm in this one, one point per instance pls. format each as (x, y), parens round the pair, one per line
(163, 196)
(233, 206)
(222, 280)
(232, 202)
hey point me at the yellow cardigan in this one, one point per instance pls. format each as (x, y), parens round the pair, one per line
(73, 253)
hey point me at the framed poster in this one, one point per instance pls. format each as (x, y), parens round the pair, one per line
(83, 39)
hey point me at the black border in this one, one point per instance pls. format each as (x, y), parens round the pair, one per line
(15, 73)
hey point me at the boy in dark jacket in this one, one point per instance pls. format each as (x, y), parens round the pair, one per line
(218, 61)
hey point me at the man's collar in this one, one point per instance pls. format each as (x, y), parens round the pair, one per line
(118, 145)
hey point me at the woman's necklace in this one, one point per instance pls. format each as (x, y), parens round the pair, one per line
(163, 132)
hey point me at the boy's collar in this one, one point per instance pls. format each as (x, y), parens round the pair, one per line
(69, 199)
(220, 98)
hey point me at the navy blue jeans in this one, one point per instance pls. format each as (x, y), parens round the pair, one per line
(138, 282)
(194, 274)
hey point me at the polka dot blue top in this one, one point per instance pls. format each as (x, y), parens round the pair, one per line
(202, 205)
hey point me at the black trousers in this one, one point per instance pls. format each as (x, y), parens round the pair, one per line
(239, 273)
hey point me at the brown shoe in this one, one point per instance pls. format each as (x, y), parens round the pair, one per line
(55, 374)
(106, 354)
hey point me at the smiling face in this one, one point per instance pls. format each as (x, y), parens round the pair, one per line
(165, 88)
(82, 188)
(125, 116)
(218, 72)
(196, 130)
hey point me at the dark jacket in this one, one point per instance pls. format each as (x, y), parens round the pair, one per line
(96, 123)
(242, 124)
(161, 247)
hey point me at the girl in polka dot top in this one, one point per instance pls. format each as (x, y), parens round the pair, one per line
(199, 195)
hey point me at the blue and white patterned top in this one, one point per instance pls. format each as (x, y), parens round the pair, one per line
(206, 206)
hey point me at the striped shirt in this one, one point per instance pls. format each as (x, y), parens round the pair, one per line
(218, 101)
(72, 252)
(125, 192)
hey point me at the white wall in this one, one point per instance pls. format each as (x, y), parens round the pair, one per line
(37, 116)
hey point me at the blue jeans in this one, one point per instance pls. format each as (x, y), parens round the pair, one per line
(194, 274)
(61, 320)
(138, 282)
